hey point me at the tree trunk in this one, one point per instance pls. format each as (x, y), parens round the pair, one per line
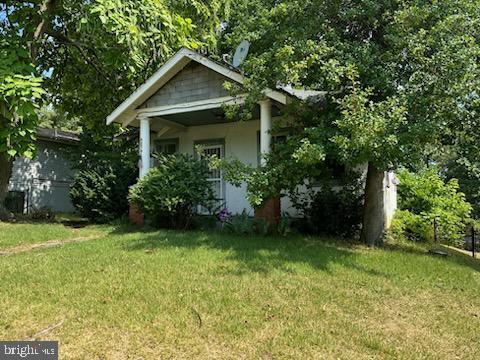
(373, 221)
(6, 164)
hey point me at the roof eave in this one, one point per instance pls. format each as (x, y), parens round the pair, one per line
(180, 59)
(126, 111)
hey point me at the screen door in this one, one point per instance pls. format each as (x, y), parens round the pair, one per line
(215, 177)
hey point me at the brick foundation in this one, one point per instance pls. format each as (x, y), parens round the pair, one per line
(270, 211)
(135, 216)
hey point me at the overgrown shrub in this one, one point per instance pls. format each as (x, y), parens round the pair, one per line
(409, 226)
(424, 197)
(105, 162)
(169, 194)
(101, 194)
(335, 208)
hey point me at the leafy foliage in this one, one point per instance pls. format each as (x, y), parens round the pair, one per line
(92, 55)
(424, 198)
(51, 118)
(407, 226)
(113, 46)
(20, 95)
(112, 160)
(465, 167)
(335, 208)
(287, 166)
(173, 189)
(285, 225)
(100, 193)
(402, 76)
(240, 224)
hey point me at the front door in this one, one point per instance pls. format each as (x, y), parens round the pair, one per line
(215, 177)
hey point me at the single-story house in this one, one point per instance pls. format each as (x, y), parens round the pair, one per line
(180, 106)
(44, 181)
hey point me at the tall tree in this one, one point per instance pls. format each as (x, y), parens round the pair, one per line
(403, 77)
(20, 92)
(90, 54)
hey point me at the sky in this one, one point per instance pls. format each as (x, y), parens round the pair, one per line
(3, 16)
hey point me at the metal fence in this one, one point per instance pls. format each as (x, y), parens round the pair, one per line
(470, 239)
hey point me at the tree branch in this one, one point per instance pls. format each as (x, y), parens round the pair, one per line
(82, 49)
(45, 12)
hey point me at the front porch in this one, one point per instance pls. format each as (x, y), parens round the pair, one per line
(247, 141)
(182, 105)
(186, 128)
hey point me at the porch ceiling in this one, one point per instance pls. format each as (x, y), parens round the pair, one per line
(197, 118)
(200, 117)
(208, 117)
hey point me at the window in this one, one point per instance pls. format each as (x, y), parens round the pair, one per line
(15, 201)
(167, 146)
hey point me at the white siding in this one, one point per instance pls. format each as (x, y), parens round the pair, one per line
(240, 142)
(389, 197)
(45, 179)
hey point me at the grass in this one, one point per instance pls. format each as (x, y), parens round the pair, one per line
(164, 294)
(24, 233)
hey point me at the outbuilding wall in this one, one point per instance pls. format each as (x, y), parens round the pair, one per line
(45, 179)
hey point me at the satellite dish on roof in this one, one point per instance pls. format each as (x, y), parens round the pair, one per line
(241, 53)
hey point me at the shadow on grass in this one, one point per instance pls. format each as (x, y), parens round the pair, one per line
(254, 253)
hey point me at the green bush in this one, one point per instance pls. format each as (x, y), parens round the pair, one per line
(101, 194)
(408, 226)
(336, 208)
(169, 194)
(424, 197)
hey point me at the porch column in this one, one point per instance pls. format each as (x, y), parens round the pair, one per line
(265, 127)
(144, 146)
(270, 210)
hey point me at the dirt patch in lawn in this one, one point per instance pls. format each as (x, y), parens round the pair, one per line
(44, 245)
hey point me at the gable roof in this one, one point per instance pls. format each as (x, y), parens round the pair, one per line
(126, 111)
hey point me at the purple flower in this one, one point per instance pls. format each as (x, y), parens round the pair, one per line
(224, 215)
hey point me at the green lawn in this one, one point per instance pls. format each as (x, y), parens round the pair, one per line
(12, 235)
(164, 294)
